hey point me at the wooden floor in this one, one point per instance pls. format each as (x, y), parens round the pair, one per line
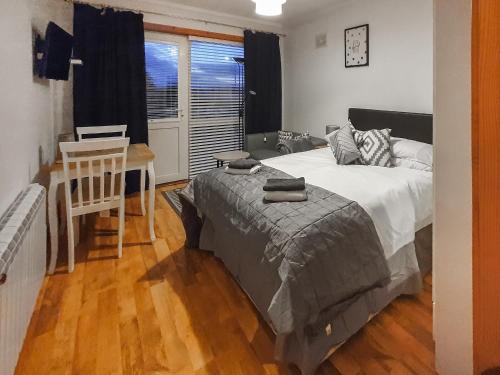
(162, 309)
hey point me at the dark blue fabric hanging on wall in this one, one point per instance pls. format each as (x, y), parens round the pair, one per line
(110, 87)
(262, 82)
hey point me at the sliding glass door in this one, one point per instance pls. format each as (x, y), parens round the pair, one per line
(204, 78)
(216, 102)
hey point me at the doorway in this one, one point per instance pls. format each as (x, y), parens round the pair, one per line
(167, 78)
(195, 100)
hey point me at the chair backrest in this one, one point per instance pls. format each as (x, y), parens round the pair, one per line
(88, 133)
(97, 165)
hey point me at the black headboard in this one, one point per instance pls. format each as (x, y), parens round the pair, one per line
(416, 126)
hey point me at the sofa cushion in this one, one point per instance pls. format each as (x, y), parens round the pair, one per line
(318, 142)
(284, 135)
(291, 146)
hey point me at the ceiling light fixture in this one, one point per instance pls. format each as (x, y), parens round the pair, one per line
(269, 7)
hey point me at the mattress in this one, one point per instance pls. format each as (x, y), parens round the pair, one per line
(398, 200)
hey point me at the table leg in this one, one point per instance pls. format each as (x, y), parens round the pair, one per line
(143, 187)
(52, 207)
(152, 188)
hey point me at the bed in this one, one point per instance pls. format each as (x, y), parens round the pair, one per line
(317, 271)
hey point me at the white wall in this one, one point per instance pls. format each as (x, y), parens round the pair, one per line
(319, 89)
(453, 188)
(26, 111)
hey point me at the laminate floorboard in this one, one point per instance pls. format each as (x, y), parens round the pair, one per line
(161, 309)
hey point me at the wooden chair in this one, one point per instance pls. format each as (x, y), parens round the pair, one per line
(89, 133)
(98, 167)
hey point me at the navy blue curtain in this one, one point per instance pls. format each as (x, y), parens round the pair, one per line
(262, 82)
(110, 87)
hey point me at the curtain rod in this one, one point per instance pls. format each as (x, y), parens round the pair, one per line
(168, 15)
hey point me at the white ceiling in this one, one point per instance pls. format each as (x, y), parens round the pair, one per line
(294, 11)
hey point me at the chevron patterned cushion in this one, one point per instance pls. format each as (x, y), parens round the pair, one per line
(343, 146)
(375, 146)
(284, 135)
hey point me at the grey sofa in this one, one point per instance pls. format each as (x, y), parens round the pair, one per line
(263, 145)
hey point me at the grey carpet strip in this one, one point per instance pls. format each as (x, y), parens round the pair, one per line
(172, 197)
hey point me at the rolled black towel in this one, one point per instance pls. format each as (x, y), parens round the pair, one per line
(285, 184)
(243, 164)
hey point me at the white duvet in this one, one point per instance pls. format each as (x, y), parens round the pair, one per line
(399, 200)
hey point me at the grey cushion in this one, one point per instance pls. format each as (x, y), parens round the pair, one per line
(343, 146)
(283, 148)
(297, 145)
(329, 136)
(318, 142)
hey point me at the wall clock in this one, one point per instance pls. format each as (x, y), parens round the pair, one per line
(357, 46)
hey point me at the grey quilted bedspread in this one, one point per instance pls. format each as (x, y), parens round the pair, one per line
(295, 260)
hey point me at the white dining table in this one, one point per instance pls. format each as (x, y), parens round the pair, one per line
(139, 157)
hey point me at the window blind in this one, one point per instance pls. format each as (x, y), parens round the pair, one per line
(216, 97)
(162, 80)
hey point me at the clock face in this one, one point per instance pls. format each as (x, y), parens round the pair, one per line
(356, 46)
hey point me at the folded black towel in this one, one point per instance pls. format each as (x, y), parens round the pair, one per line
(243, 164)
(285, 184)
(285, 196)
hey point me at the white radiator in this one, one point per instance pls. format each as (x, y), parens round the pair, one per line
(23, 238)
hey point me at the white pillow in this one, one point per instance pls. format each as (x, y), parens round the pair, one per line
(411, 154)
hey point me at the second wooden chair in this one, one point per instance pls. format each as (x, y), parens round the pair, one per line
(98, 167)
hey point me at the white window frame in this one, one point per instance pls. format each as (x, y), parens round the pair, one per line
(158, 39)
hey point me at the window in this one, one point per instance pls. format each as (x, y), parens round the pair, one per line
(162, 79)
(216, 103)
